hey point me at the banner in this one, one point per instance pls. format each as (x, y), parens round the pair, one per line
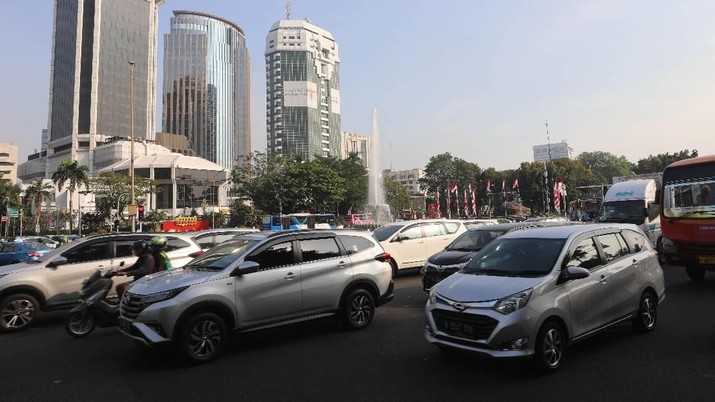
(185, 224)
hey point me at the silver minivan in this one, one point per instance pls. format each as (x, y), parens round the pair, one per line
(530, 293)
(257, 281)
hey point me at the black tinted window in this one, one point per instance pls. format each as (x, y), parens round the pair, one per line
(274, 256)
(613, 246)
(89, 252)
(174, 244)
(585, 255)
(123, 248)
(355, 244)
(636, 240)
(319, 249)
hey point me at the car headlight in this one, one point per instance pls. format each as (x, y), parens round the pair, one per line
(432, 296)
(423, 269)
(514, 302)
(161, 296)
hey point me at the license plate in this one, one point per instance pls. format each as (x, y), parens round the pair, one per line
(458, 328)
(125, 325)
(706, 260)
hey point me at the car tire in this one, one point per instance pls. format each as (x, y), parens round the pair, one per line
(695, 274)
(647, 315)
(550, 347)
(393, 265)
(80, 324)
(203, 337)
(358, 309)
(17, 312)
(660, 250)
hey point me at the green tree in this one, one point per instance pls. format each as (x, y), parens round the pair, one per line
(113, 191)
(396, 196)
(36, 193)
(605, 165)
(658, 163)
(355, 177)
(444, 170)
(71, 173)
(244, 215)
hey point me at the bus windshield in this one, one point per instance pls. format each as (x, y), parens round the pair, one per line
(693, 200)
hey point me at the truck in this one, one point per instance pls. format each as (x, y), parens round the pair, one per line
(688, 215)
(637, 202)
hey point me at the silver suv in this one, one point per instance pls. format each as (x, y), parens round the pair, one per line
(53, 282)
(530, 293)
(259, 281)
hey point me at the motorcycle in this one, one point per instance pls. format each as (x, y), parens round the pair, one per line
(94, 308)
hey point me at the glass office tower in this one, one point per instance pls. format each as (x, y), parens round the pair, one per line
(207, 87)
(303, 90)
(93, 43)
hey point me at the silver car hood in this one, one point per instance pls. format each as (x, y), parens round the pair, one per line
(172, 279)
(476, 288)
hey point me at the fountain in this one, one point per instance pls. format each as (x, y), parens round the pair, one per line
(375, 187)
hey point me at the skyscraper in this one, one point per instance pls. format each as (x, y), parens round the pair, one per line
(93, 44)
(207, 86)
(303, 90)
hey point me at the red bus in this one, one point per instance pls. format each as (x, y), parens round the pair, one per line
(359, 219)
(687, 215)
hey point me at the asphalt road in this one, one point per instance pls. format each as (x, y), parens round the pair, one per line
(389, 361)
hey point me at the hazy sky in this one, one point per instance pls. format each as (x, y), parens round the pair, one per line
(475, 78)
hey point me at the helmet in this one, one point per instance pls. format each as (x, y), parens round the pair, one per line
(139, 245)
(158, 243)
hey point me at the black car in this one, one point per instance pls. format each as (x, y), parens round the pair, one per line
(458, 253)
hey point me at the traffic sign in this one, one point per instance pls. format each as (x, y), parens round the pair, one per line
(13, 212)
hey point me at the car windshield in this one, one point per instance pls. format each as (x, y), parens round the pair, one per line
(473, 240)
(222, 255)
(516, 257)
(37, 246)
(384, 233)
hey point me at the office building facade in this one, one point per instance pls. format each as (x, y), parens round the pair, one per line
(353, 143)
(97, 46)
(206, 95)
(559, 150)
(302, 90)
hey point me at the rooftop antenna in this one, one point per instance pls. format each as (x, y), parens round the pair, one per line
(287, 9)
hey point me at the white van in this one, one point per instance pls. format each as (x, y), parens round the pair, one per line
(634, 201)
(411, 243)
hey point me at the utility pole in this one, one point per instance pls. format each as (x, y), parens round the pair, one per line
(132, 205)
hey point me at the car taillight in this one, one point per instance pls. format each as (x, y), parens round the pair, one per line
(34, 254)
(383, 257)
(196, 254)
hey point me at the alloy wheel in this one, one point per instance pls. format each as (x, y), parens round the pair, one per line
(18, 313)
(361, 309)
(553, 347)
(205, 338)
(648, 312)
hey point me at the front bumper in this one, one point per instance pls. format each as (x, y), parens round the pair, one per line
(494, 333)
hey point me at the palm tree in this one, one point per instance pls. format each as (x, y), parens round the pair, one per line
(37, 192)
(9, 196)
(70, 171)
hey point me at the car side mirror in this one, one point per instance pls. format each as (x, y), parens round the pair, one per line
(573, 272)
(246, 267)
(57, 261)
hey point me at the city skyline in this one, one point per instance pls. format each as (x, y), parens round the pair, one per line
(627, 77)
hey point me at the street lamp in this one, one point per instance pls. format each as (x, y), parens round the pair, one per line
(132, 205)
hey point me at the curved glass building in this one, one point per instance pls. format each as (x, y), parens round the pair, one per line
(207, 86)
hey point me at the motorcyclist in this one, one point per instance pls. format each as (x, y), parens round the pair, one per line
(157, 245)
(144, 265)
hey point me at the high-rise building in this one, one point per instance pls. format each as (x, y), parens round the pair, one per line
(207, 87)
(8, 162)
(353, 143)
(303, 90)
(547, 152)
(97, 46)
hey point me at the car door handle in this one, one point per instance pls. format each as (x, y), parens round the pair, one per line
(342, 264)
(635, 262)
(290, 276)
(603, 279)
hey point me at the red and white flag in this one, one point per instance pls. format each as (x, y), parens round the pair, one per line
(503, 185)
(453, 188)
(439, 212)
(489, 185)
(516, 183)
(474, 203)
(557, 196)
(449, 204)
(466, 206)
